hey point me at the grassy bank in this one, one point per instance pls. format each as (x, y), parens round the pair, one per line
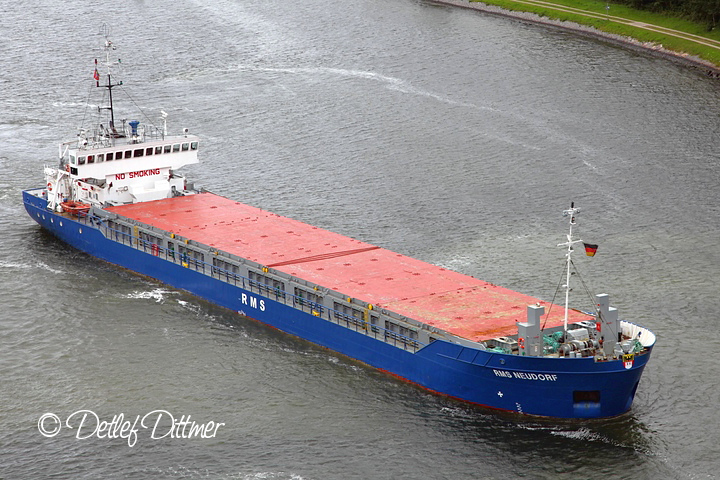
(616, 20)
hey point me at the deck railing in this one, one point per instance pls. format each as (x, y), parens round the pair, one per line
(359, 325)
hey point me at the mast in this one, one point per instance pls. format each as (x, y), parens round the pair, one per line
(571, 212)
(108, 47)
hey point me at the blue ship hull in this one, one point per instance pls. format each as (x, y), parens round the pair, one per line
(545, 386)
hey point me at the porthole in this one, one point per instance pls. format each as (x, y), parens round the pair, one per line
(61, 223)
(79, 230)
(52, 220)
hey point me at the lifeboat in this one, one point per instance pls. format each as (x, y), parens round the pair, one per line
(75, 208)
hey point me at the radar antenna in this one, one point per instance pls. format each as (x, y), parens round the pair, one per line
(109, 46)
(164, 118)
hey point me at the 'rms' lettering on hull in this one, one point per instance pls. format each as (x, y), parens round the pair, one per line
(252, 302)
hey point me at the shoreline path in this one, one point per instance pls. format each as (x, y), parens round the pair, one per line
(588, 30)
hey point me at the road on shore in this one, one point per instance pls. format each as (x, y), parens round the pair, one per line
(625, 21)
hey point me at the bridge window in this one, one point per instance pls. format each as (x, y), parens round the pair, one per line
(166, 148)
(100, 157)
(128, 153)
(185, 147)
(81, 160)
(176, 147)
(149, 151)
(109, 156)
(91, 158)
(158, 150)
(139, 152)
(193, 146)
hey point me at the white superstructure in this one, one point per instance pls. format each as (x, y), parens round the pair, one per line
(114, 165)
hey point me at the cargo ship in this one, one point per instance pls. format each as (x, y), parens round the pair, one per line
(117, 194)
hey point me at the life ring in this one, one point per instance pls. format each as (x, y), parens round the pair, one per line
(49, 187)
(67, 167)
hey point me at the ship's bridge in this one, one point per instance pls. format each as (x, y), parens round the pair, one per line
(123, 168)
(173, 152)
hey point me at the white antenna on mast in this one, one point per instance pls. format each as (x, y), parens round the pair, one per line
(571, 212)
(105, 30)
(164, 117)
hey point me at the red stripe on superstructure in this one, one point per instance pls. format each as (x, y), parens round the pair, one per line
(456, 303)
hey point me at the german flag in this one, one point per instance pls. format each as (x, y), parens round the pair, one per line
(590, 249)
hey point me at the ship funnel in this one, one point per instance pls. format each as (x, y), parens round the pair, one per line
(134, 126)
